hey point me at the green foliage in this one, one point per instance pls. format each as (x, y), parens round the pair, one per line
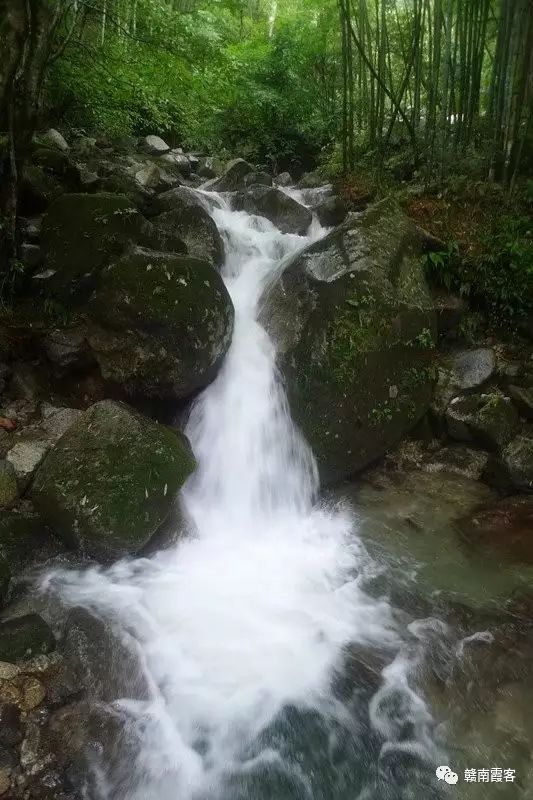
(498, 279)
(214, 79)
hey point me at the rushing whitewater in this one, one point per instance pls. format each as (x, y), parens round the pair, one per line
(241, 628)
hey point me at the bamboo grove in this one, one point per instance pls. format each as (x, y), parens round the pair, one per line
(453, 76)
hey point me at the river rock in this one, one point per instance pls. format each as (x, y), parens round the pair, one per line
(186, 214)
(353, 321)
(457, 460)
(163, 323)
(488, 419)
(287, 214)
(310, 180)
(472, 368)
(517, 462)
(67, 348)
(25, 456)
(232, 179)
(258, 179)
(110, 481)
(179, 161)
(53, 138)
(505, 528)
(284, 179)
(25, 637)
(209, 167)
(154, 145)
(331, 212)
(82, 233)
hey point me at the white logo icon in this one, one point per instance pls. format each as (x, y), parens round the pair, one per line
(446, 774)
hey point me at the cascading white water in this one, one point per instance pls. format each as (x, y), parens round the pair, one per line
(249, 614)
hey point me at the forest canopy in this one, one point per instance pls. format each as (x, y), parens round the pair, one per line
(303, 81)
(374, 94)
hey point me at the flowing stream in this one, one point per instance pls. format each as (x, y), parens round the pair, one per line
(268, 672)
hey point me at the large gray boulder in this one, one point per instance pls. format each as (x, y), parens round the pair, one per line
(154, 145)
(162, 323)
(82, 233)
(186, 214)
(353, 321)
(111, 480)
(232, 179)
(266, 201)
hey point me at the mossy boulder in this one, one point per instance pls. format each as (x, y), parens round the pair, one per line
(266, 201)
(353, 322)
(487, 419)
(111, 480)
(186, 214)
(164, 323)
(82, 233)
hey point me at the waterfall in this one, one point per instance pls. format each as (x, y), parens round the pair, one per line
(242, 626)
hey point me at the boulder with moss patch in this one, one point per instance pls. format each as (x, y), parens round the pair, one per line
(186, 213)
(82, 233)
(266, 201)
(111, 480)
(353, 321)
(163, 323)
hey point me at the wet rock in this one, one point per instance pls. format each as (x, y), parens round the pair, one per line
(232, 179)
(287, 214)
(352, 318)
(8, 485)
(87, 737)
(10, 725)
(284, 179)
(105, 660)
(472, 368)
(67, 348)
(57, 421)
(258, 179)
(154, 145)
(179, 161)
(457, 460)
(522, 397)
(487, 419)
(24, 637)
(110, 482)
(165, 323)
(331, 212)
(310, 180)
(517, 462)
(82, 233)
(149, 177)
(25, 457)
(24, 540)
(506, 528)
(187, 215)
(209, 167)
(53, 138)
